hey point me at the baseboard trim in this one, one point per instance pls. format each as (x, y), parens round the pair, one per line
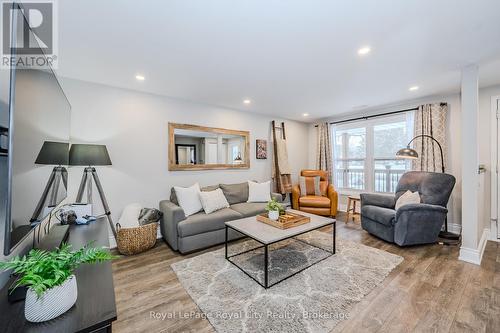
(474, 256)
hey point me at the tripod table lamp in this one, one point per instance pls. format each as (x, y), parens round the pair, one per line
(90, 155)
(52, 153)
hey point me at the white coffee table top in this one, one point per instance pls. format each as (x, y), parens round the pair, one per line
(267, 234)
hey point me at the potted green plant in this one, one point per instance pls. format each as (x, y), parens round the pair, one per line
(49, 277)
(274, 208)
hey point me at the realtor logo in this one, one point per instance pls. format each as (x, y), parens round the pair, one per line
(29, 34)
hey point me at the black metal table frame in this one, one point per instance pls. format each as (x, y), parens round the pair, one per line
(266, 253)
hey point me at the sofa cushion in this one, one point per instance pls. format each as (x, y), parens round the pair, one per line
(249, 208)
(201, 222)
(385, 216)
(173, 196)
(316, 210)
(314, 201)
(235, 193)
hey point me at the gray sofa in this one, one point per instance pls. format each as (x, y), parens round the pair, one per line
(202, 230)
(413, 223)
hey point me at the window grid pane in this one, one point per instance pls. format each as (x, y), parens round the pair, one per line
(383, 169)
(350, 174)
(387, 173)
(388, 139)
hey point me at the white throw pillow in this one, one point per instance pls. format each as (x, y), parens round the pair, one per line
(189, 199)
(213, 200)
(407, 198)
(130, 216)
(259, 192)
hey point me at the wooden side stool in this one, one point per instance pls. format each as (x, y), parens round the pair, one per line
(351, 206)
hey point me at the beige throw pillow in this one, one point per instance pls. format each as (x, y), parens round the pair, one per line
(407, 198)
(309, 186)
(259, 192)
(213, 201)
(189, 199)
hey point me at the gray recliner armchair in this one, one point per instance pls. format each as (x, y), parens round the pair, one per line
(413, 223)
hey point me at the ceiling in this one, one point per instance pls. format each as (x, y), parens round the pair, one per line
(288, 57)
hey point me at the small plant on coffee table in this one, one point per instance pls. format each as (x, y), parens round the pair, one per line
(274, 205)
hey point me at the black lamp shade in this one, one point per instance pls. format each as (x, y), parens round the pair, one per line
(407, 153)
(88, 155)
(53, 153)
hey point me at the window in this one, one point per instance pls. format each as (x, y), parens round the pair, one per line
(364, 153)
(350, 155)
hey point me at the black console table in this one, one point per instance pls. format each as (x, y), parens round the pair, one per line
(95, 307)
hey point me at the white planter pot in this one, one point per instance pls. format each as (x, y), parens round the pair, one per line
(274, 214)
(53, 303)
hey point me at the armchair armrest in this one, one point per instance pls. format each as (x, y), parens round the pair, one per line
(380, 200)
(277, 196)
(172, 215)
(421, 208)
(334, 199)
(295, 196)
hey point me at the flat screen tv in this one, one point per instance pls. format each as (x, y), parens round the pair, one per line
(34, 132)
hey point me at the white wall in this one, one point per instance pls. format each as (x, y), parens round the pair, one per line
(485, 145)
(134, 126)
(471, 181)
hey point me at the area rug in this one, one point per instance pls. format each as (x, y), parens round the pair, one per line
(314, 300)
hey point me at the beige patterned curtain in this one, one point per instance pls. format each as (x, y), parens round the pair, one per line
(324, 149)
(430, 119)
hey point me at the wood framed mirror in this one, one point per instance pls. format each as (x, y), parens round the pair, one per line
(193, 147)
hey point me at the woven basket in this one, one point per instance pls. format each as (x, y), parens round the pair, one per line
(135, 240)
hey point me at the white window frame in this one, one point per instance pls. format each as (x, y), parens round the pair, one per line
(369, 160)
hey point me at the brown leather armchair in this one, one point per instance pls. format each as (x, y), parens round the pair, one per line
(324, 204)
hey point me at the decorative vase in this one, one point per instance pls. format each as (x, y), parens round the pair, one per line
(274, 215)
(53, 303)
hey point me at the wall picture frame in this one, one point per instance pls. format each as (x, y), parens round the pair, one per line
(261, 149)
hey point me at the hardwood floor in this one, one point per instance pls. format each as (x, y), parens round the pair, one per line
(430, 291)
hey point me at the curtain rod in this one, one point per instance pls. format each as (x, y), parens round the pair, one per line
(375, 115)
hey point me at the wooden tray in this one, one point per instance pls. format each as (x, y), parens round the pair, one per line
(285, 221)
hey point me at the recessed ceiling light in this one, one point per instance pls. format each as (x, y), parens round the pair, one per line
(140, 77)
(305, 114)
(414, 88)
(247, 101)
(364, 50)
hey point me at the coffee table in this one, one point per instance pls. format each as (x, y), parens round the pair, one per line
(267, 235)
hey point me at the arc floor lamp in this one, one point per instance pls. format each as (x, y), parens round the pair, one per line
(410, 153)
(90, 155)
